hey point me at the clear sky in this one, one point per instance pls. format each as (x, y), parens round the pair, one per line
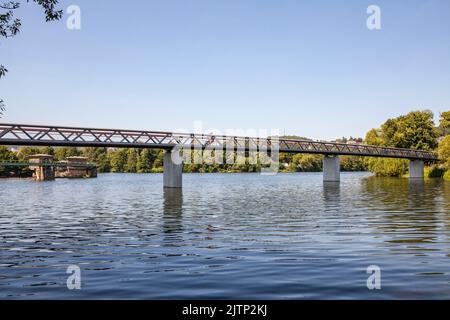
(309, 68)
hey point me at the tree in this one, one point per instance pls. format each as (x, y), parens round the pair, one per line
(10, 25)
(145, 161)
(415, 130)
(7, 156)
(99, 156)
(47, 150)
(352, 163)
(385, 167)
(24, 152)
(445, 122)
(159, 160)
(63, 153)
(132, 159)
(118, 160)
(373, 138)
(306, 163)
(444, 151)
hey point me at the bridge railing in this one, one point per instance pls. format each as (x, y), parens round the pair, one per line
(37, 135)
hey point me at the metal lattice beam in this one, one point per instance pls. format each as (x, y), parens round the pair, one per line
(36, 135)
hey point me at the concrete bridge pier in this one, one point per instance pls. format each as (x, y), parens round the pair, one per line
(173, 170)
(416, 169)
(331, 169)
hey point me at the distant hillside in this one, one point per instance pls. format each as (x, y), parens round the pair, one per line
(292, 138)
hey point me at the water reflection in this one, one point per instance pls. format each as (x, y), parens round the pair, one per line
(417, 194)
(173, 211)
(408, 206)
(331, 195)
(230, 236)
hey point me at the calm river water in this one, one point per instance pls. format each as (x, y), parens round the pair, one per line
(239, 236)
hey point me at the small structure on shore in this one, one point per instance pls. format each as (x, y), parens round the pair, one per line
(45, 169)
(76, 167)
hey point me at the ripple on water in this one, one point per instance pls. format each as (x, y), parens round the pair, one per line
(287, 236)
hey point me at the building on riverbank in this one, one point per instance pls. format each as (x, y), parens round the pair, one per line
(76, 167)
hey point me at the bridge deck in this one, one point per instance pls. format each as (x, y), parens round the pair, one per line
(38, 135)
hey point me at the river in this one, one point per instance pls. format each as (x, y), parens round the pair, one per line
(225, 236)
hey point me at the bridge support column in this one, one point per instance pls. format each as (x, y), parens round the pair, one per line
(331, 169)
(416, 169)
(172, 171)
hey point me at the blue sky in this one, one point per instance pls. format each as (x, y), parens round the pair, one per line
(309, 68)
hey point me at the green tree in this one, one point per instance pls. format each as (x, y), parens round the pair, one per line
(62, 153)
(159, 160)
(306, 163)
(10, 25)
(118, 159)
(385, 167)
(99, 156)
(145, 161)
(445, 122)
(7, 156)
(444, 151)
(47, 150)
(24, 152)
(415, 130)
(373, 138)
(352, 163)
(132, 160)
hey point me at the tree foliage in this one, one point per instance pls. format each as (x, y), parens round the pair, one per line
(64, 152)
(7, 156)
(415, 130)
(374, 138)
(306, 163)
(353, 163)
(444, 123)
(146, 161)
(444, 151)
(99, 156)
(385, 167)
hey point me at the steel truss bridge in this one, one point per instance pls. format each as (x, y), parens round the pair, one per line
(59, 136)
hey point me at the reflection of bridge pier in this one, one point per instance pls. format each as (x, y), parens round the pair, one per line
(173, 210)
(331, 193)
